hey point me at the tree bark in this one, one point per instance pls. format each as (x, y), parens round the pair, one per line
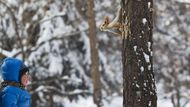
(138, 77)
(94, 54)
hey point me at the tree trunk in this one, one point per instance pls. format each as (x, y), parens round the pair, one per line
(94, 54)
(138, 77)
(51, 99)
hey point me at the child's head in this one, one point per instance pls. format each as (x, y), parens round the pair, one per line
(15, 70)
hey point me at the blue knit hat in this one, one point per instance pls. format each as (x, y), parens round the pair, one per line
(12, 69)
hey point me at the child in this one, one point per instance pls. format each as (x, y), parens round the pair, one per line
(16, 77)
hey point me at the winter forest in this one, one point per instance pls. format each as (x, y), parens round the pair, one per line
(75, 64)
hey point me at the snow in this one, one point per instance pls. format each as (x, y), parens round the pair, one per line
(13, 2)
(73, 58)
(183, 1)
(108, 68)
(149, 104)
(151, 53)
(9, 53)
(56, 65)
(149, 4)
(116, 101)
(137, 86)
(164, 103)
(149, 46)
(39, 88)
(149, 67)
(147, 58)
(46, 33)
(144, 21)
(142, 68)
(135, 48)
(106, 4)
(86, 47)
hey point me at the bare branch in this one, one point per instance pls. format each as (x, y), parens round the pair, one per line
(60, 92)
(48, 80)
(50, 40)
(35, 25)
(51, 18)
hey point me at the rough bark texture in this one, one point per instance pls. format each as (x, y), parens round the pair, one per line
(139, 83)
(94, 54)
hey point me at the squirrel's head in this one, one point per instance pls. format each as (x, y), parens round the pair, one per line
(105, 23)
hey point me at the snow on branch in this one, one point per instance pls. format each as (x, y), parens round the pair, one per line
(67, 35)
(16, 27)
(60, 92)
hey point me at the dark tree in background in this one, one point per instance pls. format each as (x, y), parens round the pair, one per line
(139, 83)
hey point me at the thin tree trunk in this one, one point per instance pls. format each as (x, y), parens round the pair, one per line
(94, 54)
(50, 99)
(139, 83)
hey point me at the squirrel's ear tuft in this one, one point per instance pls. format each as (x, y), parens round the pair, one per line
(106, 20)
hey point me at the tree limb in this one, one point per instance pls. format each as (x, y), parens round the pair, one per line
(50, 40)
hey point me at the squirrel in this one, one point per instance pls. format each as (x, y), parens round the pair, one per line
(115, 26)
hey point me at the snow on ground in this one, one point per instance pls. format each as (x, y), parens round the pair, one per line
(80, 103)
(116, 101)
(88, 102)
(164, 103)
(184, 1)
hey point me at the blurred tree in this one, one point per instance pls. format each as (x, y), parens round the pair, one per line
(97, 95)
(171, 50)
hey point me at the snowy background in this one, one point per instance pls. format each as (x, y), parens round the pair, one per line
(52, 35)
